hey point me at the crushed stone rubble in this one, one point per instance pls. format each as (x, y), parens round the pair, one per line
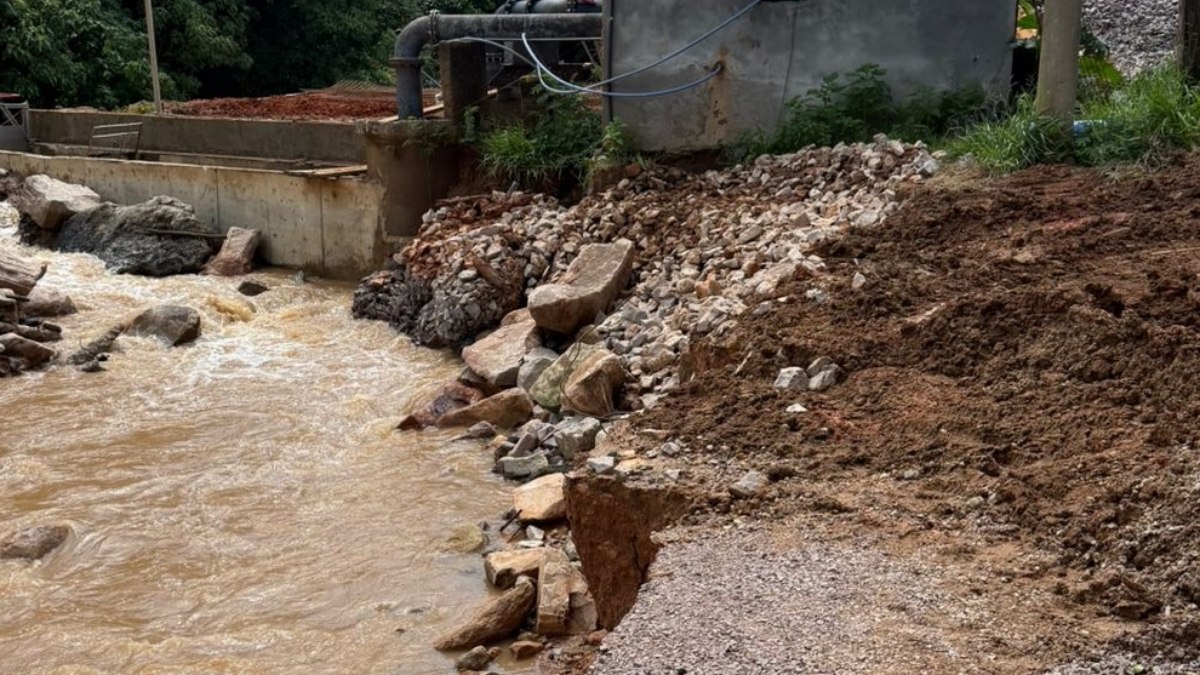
(709, 247)
(1137, 35)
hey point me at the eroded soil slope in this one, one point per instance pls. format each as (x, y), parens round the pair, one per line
(1023, 360)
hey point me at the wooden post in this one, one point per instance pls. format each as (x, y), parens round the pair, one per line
(1188, 41)
(1058, 72)
(153, 57)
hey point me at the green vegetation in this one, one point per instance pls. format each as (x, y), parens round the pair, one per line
(93, 52)
(564, 141)
(1146, 120)
(855, 107)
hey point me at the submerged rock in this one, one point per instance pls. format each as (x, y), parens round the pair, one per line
(496, 620)
(504, 410)
(476, 659)
(173, 324)
(251, 288)
(92, 351)
(160, 237)
(453, 396)
(34, 543)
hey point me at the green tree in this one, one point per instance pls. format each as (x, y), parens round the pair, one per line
(72, 52)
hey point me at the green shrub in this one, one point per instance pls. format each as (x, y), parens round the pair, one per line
(559, 144)
(1155, 115)
(1144, 120)
(1011, 143)
(853, 108)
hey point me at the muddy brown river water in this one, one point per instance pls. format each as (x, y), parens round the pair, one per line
(239, 505)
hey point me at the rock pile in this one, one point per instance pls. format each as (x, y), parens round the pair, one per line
(698, 251)
(535, 563)
(159, 237)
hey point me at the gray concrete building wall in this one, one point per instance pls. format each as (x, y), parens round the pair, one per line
(781, 50)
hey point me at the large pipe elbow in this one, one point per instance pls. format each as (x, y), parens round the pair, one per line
(406, 56)
(406, 60)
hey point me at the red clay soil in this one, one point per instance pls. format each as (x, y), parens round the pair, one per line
(307, 106)
(1024, 360)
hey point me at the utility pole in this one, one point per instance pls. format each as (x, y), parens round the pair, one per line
(153, 58)
(1058, 72)
(1188, 47)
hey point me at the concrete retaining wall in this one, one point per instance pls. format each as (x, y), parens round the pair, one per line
(781, 50)
(328, 227)
(329, 142)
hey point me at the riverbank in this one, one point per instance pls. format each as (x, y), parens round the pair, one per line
(967, 392)
(1016, 421)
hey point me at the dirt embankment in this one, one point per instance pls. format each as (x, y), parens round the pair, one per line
(1020, 370)
(306, 106)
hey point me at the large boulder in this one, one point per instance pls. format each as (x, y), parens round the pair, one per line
(548, 389)
(156, 238)
(47, 302)
(498, 619)
(34, 543)
(541, 500)
(504, 410)
(497, 357)
(172, 324)
(593, 384)
(49, 202)
(236, 255)
(31, 354)
(589, 287)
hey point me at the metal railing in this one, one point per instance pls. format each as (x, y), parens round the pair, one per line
(14, 125)
(122, 140)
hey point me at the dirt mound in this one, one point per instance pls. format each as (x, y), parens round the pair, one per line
(1021, 358)
(307, 106)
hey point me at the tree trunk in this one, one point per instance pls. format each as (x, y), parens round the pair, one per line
(19, 276)
(1188, 47)
(1058, 73)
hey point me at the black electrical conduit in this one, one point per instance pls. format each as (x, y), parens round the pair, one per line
(406, 56)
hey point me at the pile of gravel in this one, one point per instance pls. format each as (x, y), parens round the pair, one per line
(709, 247)
(1139, 34)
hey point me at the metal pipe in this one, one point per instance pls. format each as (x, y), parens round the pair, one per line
(434, 28)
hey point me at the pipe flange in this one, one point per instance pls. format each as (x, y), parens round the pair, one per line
(433, 26)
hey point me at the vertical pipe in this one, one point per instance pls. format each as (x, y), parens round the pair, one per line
(153, 57)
